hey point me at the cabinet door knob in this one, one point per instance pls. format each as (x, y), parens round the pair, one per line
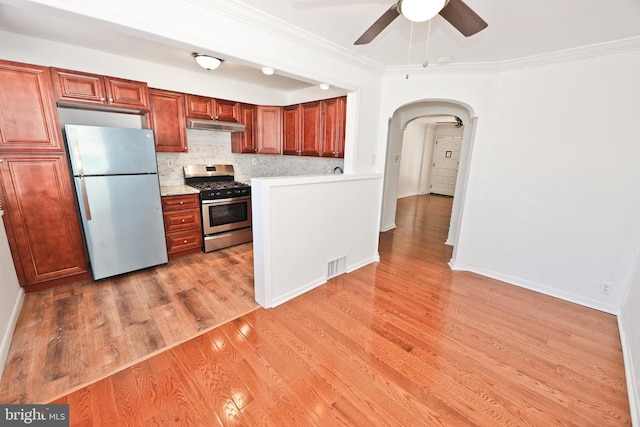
(181, 202)
(183, 220)
(1, 160)
(184, 241)
(103, 99)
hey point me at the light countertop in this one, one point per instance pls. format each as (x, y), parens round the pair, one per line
(175, 190)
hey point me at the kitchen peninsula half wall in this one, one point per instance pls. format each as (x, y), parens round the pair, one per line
(308, 229)
(215, 147)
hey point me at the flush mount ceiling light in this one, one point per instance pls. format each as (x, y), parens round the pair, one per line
(207, 62)
(324, 86)
(268, 71)
(420, 10)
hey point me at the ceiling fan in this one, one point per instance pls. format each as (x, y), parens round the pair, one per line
(452, 120)
(461, 16)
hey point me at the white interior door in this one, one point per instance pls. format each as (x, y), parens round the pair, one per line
(446, 157)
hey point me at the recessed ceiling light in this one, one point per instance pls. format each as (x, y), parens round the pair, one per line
(268, 71)
(324, 86)
(443, 60)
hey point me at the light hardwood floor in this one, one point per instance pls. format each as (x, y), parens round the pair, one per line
(404, 342)
(73, 335)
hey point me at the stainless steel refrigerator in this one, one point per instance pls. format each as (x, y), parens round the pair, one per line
(118, 192)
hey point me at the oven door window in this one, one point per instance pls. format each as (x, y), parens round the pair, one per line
(228, 215)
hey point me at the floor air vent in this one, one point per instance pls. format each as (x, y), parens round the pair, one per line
(336, 267)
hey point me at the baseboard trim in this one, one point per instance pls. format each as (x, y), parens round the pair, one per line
(566, 296)
(11, 327)
(632, 391)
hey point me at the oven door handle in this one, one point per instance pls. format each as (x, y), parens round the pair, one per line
(226, 201)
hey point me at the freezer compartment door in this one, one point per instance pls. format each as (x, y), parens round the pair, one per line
(97, 150)
(122, 221)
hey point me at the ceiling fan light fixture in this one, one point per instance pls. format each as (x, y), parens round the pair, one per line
(268, 71)
(420, 10)
(324, 86)
(207, 62)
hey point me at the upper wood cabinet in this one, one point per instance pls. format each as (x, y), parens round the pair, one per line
(333, 122)
(75, 87)
(291, 129)
(269, 130)
(28, 119)
(202, 107)
(167, 119)
(302, 129)
(245, 142)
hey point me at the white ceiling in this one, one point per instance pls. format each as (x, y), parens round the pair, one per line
(517, 29)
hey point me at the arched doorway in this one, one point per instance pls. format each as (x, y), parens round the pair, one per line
(398, 122)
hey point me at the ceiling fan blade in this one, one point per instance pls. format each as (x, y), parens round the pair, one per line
(463, 18)
(377, 27)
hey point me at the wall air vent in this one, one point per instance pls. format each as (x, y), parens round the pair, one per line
(336, 267)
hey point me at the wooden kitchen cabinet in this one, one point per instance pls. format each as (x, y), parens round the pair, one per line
(333, 121)
(244, 142)
(182, 224)
(268, 130)
(302, 129)
(75, 87)
(202, 107)
(41, 220)
(28, 119)
(167, 119)
(265, 137)
(36, 193)
(291, 129)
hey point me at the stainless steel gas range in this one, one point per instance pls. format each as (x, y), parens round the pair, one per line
(226, 205)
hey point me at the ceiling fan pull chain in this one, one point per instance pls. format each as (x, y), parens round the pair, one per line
(410, 41)
(426, 53)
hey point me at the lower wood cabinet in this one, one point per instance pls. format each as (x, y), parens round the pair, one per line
(182, 224)
(41, 220)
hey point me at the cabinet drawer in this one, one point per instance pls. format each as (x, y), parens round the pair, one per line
(184, 240)
(182, 201)
(182, 220)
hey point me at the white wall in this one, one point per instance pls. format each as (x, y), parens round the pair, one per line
(11, 295)
(559, 205)
(629, 321)
(414, 145)
(300, 224)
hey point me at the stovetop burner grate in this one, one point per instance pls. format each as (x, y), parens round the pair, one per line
(215, 182)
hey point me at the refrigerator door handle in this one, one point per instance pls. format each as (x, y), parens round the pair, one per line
(73, 136)
(85, 198)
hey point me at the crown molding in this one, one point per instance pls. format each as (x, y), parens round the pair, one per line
(574, 54)
(567, 55)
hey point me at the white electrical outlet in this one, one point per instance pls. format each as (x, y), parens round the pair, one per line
(170, 163)
(328, 169)
(605, 288)
(254, 161)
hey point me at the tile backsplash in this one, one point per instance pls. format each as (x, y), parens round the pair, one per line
(206, 147)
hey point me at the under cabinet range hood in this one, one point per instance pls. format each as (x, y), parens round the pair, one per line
(218, 125)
